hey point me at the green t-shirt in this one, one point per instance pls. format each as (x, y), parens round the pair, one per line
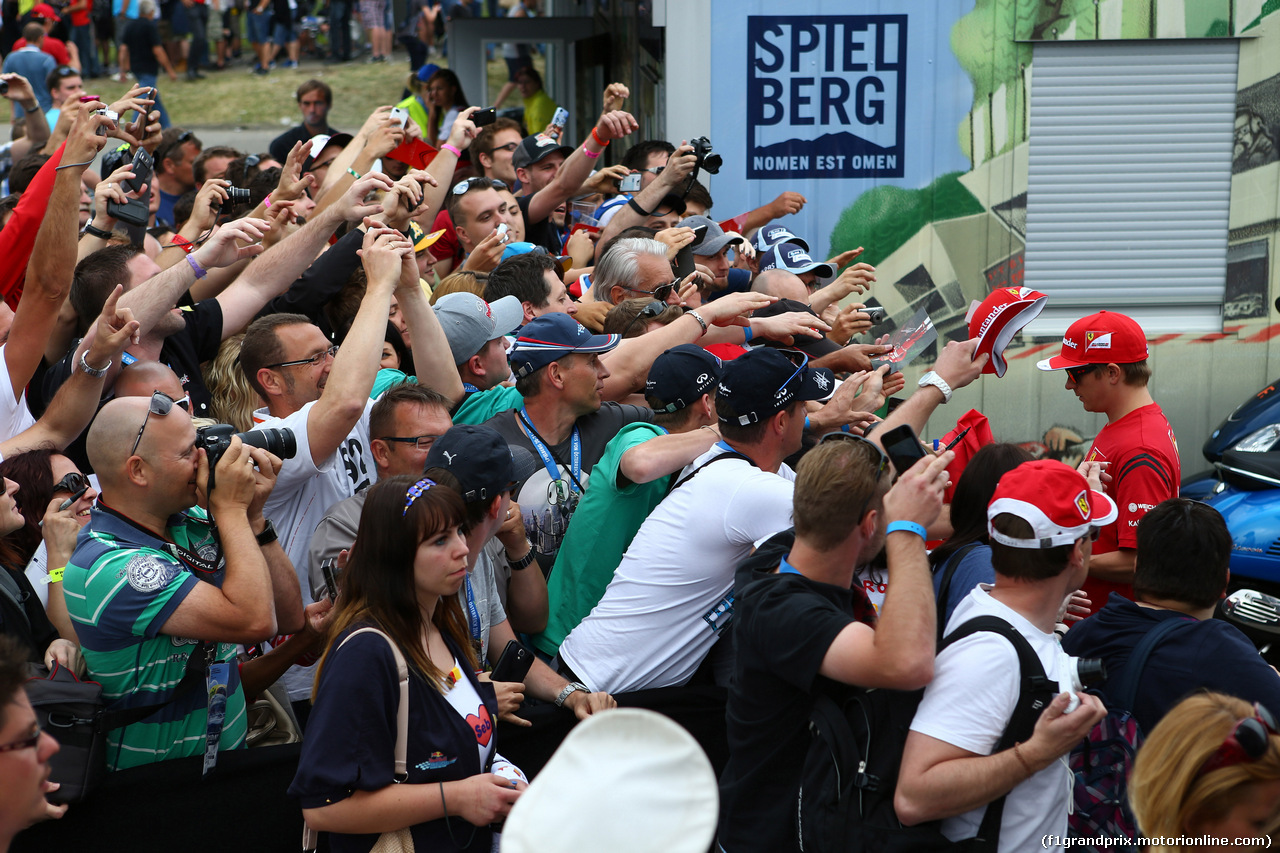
(122, 585)
(603, 526)
(478, 406)
(387, 377)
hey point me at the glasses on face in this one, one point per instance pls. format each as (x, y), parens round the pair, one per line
(1079, 373)
(510, 146)
(313, 360)
(661, 293)
(73, 482)
(465, 186)
(161, 405)
(654, 170)
(25, 743)
(422, 442)
(1248, 742)
(648, 312)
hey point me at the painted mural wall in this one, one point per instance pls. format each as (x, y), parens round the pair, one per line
(905, 125)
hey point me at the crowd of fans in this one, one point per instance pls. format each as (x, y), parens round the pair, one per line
(361, 421)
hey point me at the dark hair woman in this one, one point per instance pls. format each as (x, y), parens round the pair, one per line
(405, 569)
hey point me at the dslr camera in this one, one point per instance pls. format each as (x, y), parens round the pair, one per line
(235, 195)
(216, 438)
(707, 160)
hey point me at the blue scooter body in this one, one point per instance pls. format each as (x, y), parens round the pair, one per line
(1253, 518)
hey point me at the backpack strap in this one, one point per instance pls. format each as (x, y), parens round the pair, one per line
(944, 591)
(1124, 686)
(728, 454)
(1036, 691)
(402, 710)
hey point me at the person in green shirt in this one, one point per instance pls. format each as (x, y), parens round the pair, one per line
(538, 105)
(477, 333)
(633, 475)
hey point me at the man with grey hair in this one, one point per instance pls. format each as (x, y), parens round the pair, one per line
(632, 267)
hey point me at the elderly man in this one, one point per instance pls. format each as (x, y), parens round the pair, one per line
(153, 573)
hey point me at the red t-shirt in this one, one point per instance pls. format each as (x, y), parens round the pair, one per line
(52, 46)
(1145, 470)
(448, 245)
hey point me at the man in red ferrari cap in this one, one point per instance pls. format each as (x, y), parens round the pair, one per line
(1105, 358)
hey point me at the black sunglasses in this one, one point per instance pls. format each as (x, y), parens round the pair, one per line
(648, 312)
(661, 293)
(421, 442)
(161, 405)
(882, 463)
(1078, 373)
(73, 482)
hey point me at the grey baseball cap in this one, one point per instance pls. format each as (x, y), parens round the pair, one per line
(714, 241)
(469, 322)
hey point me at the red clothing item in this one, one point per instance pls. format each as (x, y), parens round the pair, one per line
(448, 245)
(80, 17)
(19, 237)
(726, 352)
(52, 46)
(1145, 470)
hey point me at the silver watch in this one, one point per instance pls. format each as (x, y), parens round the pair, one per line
(568, 690)
(932, 378)
(95, 372)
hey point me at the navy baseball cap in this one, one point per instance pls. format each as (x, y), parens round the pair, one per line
(551, 337)
(680, 376)
(478, 456)
(795, 259)
(763, 382)
(771, 235)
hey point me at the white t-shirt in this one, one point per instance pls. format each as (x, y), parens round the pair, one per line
(303, 493)
(673, 592)
(15, 417)
(969, 703)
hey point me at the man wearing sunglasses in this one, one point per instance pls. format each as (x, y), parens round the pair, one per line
(671, 597)
(803, 623)
(960, 755)
(1104, 357)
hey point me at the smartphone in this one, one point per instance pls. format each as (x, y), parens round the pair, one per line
(136, 211)
(142, 168)
(556, 129)
(698, 234)
(329, 569)
(902, 447)
(514, 663)
(400, 117)
(480, 118)
(630, 184)
(684, 264)
(502, 232)
(138, 126)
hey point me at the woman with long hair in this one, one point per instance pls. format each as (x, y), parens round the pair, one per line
(405, 569)
(1210, 767)
(444, 101)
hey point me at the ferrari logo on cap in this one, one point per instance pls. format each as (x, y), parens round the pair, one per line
(1097, 340)
(1082, 504)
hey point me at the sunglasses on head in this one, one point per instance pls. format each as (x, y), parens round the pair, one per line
(1248, 741)
(467, 185)
(648, 312)
(161, 404)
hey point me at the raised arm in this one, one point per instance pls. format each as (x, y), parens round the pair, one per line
(665, 454)
(37, 129)
(577, 167)
(957, 367)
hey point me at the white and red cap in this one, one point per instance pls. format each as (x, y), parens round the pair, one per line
(995, 320)
(1102, 338)
(1055, 499)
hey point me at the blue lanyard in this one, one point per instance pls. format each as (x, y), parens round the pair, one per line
(785, 568)
(468, 388)
(548, 461)
(473, 614)
(724, 445)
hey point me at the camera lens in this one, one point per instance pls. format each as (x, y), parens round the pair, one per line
(237, 194)
(4, 87)
(1090, 671)
(278, 441)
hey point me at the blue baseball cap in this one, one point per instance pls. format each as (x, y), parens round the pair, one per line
(680, 376)
(551, 337)
(794, 258)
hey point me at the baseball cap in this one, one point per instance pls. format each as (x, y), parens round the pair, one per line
(551, 337)
(524, 248)
(534, 148)
(426, 72)
(469, 322)
(1055, 499)
(478, 456)
(421, 239)
(795, 259)
(714, 241)
(45, 11)
(682, 375)
(319, 142)
(999, 317)
(771, 235)
(1102, 338)
(629, 781)
(763, 382)
(813, 347)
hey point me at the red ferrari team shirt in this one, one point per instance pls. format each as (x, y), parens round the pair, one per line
(1145, 470)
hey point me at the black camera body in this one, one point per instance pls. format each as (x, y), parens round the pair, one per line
(235, 195)
(707, 160)
(216, 438)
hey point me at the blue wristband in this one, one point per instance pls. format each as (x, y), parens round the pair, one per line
(906, 527)
(806, 423)
(746, 334)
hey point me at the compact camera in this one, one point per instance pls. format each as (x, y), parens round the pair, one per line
(876, 314)
(111, 114)
(1077, 674)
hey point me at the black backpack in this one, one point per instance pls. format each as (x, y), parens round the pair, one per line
(845, 802)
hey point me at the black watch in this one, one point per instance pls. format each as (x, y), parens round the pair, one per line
(522, 563)
(268, 535)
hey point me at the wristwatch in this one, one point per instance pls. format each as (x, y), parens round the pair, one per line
(523, 563)
(932, 378)
(268, 535)
(568, 690)
(95, 372)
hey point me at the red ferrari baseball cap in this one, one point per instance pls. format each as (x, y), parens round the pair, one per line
(1102, 338)
(1054, 499)
(999, 317)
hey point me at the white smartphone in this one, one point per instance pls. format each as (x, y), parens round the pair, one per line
(502, 232)
(400, 117)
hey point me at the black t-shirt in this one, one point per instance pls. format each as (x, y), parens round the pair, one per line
(541, 233)
(783, 626)
(283, 144)
(142, 37)
(544, 521)
(22, 617)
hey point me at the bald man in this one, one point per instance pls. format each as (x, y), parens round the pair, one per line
(143, 378)
(782, 284)
(154, 573)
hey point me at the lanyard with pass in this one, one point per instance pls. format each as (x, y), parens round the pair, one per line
(549, 461)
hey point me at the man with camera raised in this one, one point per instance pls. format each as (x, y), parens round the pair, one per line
(160, 596)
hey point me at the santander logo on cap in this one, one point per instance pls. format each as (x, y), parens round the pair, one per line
(997, 319)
